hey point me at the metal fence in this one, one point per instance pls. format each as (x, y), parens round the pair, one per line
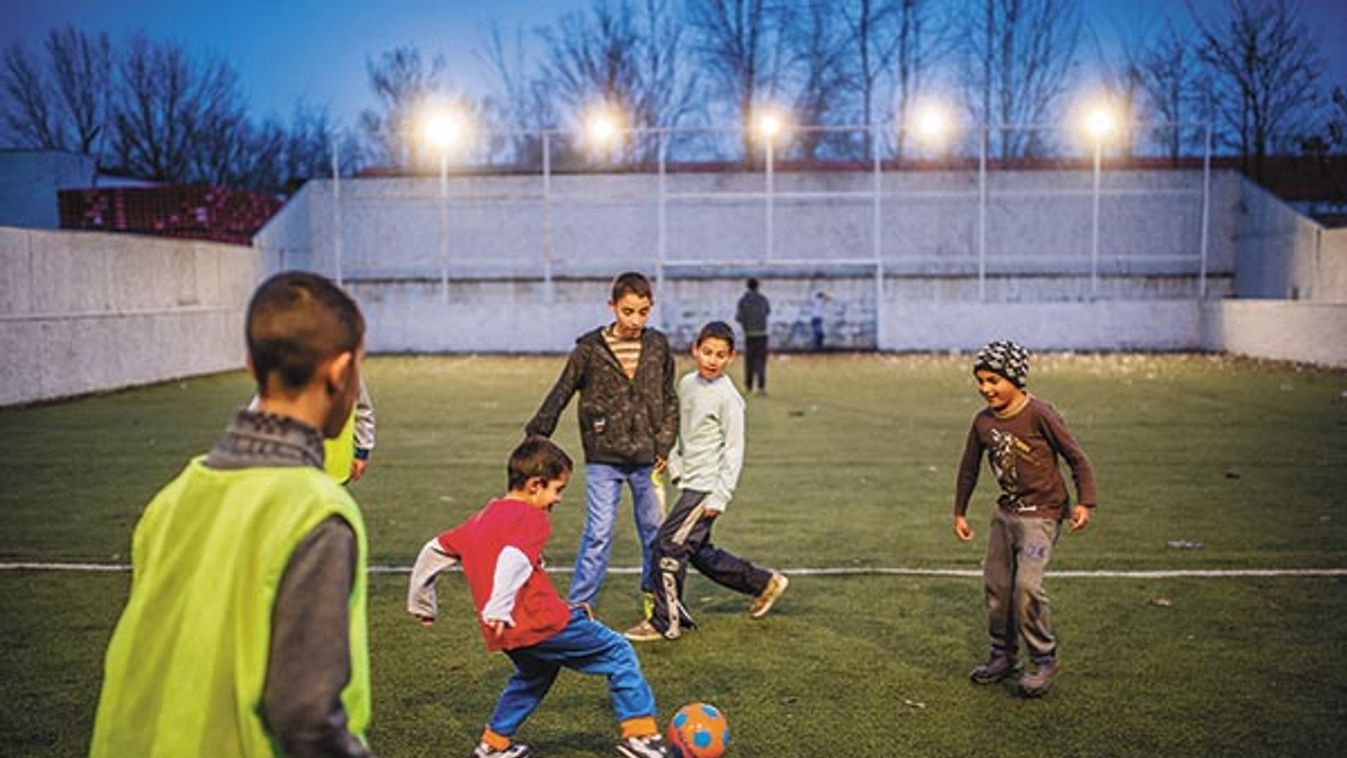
(1090, 211)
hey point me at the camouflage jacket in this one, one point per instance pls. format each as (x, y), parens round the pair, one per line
(622, 421)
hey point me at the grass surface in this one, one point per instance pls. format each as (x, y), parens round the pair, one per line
(851, 463)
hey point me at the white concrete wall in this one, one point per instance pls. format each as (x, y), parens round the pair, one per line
(1328, 272)
(1281, 254)
(1286, 330)
(86, 312)
(594, 225)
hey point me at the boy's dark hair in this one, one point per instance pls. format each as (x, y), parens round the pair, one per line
(632, 283)
(753, 284)
(718, 330)
(537, 456)
(296, 320)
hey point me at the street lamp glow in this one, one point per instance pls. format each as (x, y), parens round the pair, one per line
(769, 125)
(602, 127)
(444, 129)
(1100, 122)
(931, 124)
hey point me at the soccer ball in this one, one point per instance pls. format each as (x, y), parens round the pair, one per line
(698, 730)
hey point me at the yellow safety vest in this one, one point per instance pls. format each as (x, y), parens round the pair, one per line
(186, 667)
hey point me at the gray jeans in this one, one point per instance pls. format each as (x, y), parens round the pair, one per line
(1018, 552)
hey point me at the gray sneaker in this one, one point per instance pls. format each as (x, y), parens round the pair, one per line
(514, 751)
(1037, 682)
(998, 667)
(643, 747)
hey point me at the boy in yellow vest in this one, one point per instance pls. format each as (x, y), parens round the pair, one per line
(244, 633)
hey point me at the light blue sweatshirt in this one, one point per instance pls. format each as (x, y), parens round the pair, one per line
(710, 450)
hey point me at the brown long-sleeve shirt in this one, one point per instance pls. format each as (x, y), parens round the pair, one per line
(1022, 451)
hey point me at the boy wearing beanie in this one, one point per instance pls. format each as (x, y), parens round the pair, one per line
(1023, 438)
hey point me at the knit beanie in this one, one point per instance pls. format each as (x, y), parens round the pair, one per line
(1005, 358)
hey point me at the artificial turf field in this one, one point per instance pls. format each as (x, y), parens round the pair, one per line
(850, 465)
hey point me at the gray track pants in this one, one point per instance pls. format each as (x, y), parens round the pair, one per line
(1018, 552)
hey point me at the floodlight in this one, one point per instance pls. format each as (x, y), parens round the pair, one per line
(444, 129)
(769, 124)
(602, 126)
(1100, 122)
(931, 124)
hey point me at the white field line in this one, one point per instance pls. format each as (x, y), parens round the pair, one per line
(823, 571)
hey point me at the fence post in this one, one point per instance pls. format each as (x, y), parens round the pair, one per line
(877, 231)
(547, 217)
(982, 214)
(336, 209)
(1206, 215)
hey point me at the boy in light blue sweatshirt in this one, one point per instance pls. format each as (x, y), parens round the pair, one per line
(705, 466)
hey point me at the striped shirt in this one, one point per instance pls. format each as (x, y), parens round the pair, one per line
(628, 352)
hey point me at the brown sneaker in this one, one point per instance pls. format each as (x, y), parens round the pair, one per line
(763, 602)
(644, 632)
(1037, 682)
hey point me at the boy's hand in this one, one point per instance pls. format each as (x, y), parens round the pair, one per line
(660, 465)
(425, 621)
(358, 467)
(1080, 518)
(497, 627)
(962, 530)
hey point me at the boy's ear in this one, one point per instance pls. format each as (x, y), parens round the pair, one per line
(336, 371)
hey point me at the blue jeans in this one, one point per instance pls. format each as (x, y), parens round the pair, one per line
(603, 493)
(585, 646)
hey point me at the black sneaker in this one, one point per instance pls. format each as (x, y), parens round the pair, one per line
(998, 667)
(651, 746)
(1037, 682)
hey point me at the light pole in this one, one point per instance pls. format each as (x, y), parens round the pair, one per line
(1099, 123)
(444, 130)
(769, 125)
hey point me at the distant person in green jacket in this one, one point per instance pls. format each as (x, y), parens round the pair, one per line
(244, 633)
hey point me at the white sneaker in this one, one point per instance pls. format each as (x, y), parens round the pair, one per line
(513, 751)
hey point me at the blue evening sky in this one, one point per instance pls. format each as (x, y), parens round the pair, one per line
(288, 49)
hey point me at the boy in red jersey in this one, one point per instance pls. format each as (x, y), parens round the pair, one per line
(520, 613)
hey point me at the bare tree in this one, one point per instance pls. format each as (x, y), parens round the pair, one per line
(817, 45)
(29, 112)
(1267, 69)
(403, 82)
(59, 102)
(734, 42)
(621, 56)
(309, 144)
(892, 43)
(82, 72)
(519, 104)
(1016, 58)
(175, 117)
(1169, 83)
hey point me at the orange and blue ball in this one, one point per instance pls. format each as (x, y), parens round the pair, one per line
(698, 730)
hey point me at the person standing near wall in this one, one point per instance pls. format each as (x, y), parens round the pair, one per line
(751, 314)
(817, 309)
